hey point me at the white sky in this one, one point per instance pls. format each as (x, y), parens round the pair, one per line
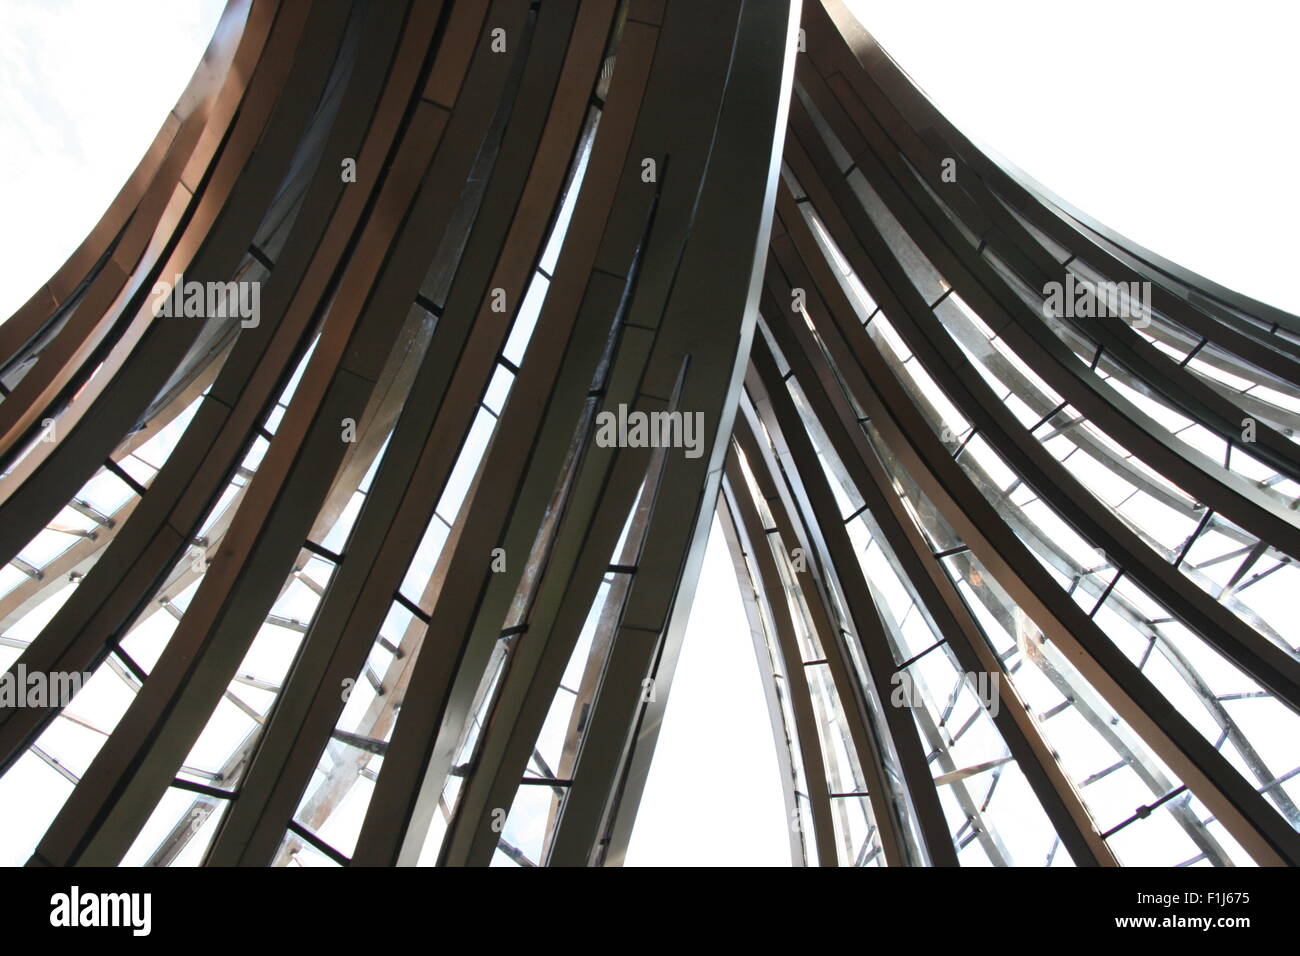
(84, 87)
(1171, 121)
(713, 795)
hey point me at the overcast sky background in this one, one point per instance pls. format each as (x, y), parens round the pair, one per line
(1173, 122)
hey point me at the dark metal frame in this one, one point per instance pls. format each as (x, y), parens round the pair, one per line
(749, 279)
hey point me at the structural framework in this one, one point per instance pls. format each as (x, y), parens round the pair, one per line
(359, 465)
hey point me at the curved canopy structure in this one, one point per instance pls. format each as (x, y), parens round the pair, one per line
(358, 467)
